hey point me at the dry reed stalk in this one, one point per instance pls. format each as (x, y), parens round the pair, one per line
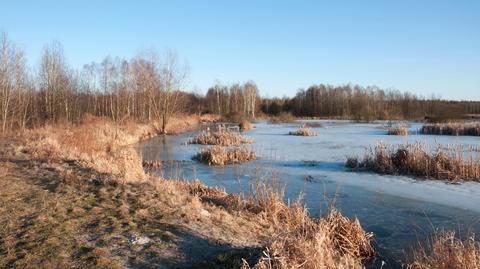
(472, 129)
(219, 156)
(303, 132)
(221, 138)
(417, 159)
(446, 250)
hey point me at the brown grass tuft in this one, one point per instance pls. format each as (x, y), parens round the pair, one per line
(313, 125)
(303, 132)
(245, 125)
(210, 118)
(472, 129)
(445, 250)
(398, 130)
(219, 156)
(221, 138)
(420, 160)
(302, 242)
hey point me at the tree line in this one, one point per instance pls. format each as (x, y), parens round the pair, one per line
(366, 104)
(151, 86)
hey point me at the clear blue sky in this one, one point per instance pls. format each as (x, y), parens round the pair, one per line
(420, 46)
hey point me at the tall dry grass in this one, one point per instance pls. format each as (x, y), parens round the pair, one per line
(97, 143)
(220, 138)
(454, 163)
(313, 125)
(446, 250)
(472, 129)
(398, 130)
(245, 125)
(300, 241)
(219, 156)
(283, 117)
(304, 131)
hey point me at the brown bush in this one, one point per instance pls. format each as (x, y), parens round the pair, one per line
(303, 132)
(219, 156)
(472, 129)
(445, 250)
(221, 138)
(419, 160)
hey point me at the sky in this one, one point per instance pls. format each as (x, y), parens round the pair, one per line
(421, 46)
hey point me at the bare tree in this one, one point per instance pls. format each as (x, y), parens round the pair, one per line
(172, 78)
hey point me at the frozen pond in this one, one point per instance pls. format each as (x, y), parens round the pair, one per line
(398, 210)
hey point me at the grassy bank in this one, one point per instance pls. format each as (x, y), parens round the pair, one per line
(420, 160)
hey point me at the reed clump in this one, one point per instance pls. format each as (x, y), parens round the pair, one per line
(220, 156)
(453, 163)
(300, 241)
(245, 125)
(313, 125)
(303, 131)
(220, 138)
(398, 130)
(283, 117)
(457, 129)
(446, 250)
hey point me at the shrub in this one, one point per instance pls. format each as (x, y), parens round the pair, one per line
(219, 156)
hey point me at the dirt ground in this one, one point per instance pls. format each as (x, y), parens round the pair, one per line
(64, 216)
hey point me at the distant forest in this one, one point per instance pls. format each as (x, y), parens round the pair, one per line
(151, 86)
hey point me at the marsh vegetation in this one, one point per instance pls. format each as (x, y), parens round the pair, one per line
(303, 131)
(472, 129)
(220, 138)
(420, 160)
